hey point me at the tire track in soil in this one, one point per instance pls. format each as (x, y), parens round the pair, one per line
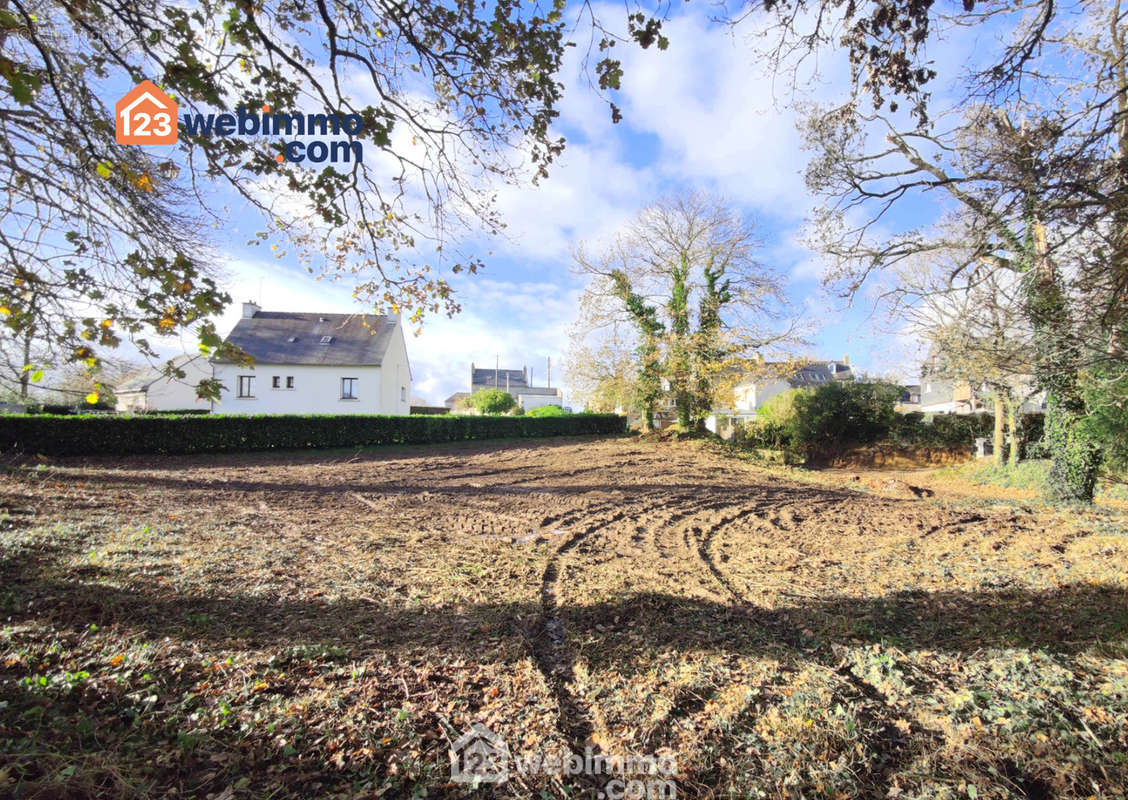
(555, 660)
(892, 747)
(703, 537)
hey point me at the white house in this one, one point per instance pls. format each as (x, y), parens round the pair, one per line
(750, 393)
(312, 363)
(153, 390)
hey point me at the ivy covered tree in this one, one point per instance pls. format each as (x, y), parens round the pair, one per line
(648, 385)
(684, 253)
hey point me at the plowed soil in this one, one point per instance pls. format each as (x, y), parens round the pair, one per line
(328, 624)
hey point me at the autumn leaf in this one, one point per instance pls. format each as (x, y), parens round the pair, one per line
(92, 398)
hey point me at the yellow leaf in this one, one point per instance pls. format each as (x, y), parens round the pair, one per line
(259, 686)
(92, 398)
(5, 310)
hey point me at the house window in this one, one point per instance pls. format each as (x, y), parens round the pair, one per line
(246, 386)
(348, 389)
(403, 394)
(276, 382)
(289, 381)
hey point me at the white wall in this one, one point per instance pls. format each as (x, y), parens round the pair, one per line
(530, 401)
(750, 397)
(395, 393)
(317, 390)
(166, 394)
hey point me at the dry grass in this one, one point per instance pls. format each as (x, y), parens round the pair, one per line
(324, 625)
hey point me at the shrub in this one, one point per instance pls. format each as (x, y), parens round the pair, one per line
(87, 434)
(548, 411)
(764, 435)
(840, 413)
(491, 401)
(781, 411)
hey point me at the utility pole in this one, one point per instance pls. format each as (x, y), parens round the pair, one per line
(549, 378)
(497, 363)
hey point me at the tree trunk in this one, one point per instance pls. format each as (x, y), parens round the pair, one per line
(684, 401)
(25, 375)
(998, 445)
(1075, 456)
(1012, 425)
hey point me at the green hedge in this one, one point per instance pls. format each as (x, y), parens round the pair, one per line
(118, 435)
(903, 430)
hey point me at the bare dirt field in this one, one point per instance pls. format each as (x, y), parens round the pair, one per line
(327, 624)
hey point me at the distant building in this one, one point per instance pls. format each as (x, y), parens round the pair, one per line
(749, 394)
(152, 390)
(316, 363)
(909, 400)
(455, 399)
(517, 383)
(939, 395)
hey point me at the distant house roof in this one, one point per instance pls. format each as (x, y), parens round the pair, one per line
(142, 379)
(284, 337)
(451, 401)
(536, 390)
(513, 378)
(815, 372)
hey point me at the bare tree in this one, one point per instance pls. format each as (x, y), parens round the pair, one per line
(1036, 175)
(684, 274)
(600, 369)
(976, 324)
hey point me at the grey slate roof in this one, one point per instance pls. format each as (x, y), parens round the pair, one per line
(357, 339)
(141, 380)
(814, 373)
(482, 376)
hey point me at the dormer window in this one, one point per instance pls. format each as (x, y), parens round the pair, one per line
(326, 339)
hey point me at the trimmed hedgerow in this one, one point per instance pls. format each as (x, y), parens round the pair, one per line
(114, 435)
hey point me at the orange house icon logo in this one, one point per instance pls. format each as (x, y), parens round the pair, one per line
(146, 115)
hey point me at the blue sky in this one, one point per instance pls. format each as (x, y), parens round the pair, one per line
(702, 115)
